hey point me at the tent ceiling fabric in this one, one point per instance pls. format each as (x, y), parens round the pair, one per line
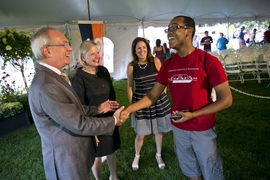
(123, 17)
(14, 13)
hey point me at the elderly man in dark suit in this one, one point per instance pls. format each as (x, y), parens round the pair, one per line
(65, 126)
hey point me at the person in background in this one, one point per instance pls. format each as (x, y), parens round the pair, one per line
(155, 118)
(206, 42)
(195, 42)
(159, 51)
(267, 34)
(265, 40)
(167, 50)
(65, 126)
(190, 76)
(252, 38)
(173, 52)
(93, 85)
(240, 37)
(222, 42)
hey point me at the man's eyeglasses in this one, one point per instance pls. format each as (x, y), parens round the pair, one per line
(174, 28)
(64, 45)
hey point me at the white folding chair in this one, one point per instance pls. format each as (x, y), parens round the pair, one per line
(247, 59)
(232, 67)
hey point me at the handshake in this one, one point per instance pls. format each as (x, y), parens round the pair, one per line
(120, 114)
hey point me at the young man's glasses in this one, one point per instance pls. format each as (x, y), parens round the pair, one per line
(174, 28)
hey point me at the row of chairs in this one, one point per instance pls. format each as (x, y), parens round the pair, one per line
(254, 60)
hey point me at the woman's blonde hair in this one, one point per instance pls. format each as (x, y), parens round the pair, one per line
(84, 48)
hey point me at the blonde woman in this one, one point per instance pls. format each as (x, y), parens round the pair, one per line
(93, 85)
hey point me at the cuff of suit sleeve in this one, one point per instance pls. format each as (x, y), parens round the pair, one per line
(115, 120)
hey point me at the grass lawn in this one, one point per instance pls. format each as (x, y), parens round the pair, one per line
(243, 139)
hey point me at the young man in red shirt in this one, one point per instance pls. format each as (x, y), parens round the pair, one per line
(190, 75)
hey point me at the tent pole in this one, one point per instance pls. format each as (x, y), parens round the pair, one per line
(143, 28)
(88, 7)
(69, 40)
(228, 25)
(256, 23)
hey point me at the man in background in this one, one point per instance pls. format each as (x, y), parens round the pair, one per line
(241, 36)
(222, 42)
(195, 42)
(206, 42)
(267, 34)
(252, 38)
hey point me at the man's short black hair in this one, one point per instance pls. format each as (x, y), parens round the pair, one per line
(188, 21)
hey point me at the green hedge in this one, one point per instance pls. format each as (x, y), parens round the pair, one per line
(10, 109)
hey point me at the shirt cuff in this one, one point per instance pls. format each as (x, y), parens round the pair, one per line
(115, 120)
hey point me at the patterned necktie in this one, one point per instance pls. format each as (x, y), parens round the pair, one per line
(65, 77)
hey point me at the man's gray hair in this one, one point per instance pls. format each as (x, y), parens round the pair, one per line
(40, 39)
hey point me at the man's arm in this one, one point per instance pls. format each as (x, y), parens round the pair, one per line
(145, 102)
(202, 42)
(158, 66)
(211, 39)
(224, 100)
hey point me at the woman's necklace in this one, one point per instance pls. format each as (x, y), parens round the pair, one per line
(142, 66)
(90, 71)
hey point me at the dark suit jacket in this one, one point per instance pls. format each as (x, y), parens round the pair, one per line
(65, 127)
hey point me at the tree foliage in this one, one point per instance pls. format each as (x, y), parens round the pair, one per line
(15, 49)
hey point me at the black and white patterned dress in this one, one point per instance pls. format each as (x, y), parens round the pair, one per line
(156, 118)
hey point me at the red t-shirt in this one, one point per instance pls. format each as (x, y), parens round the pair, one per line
(267, 34)
(189, 85)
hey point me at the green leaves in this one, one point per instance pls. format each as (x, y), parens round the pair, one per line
(10, 109)
(15, 48)
(8, 92)
(15, 45)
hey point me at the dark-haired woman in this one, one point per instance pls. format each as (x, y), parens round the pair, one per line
(155, 119)
(159, 51)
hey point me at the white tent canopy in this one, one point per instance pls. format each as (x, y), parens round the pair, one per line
(123, 17)
(50, 12)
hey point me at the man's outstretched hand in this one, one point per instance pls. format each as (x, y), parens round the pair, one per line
(116, 114)
(124, 115)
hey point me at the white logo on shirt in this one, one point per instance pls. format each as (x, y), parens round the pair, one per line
(181, 78)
